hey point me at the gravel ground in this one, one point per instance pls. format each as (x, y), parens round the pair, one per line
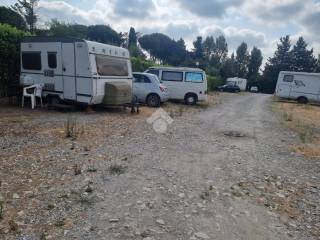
(225, 172)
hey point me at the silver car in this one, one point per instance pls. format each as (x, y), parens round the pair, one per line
(148, 89)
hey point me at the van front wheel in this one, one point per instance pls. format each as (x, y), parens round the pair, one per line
(191, 99)
(302, 100)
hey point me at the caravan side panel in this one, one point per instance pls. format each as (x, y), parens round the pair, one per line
(83, 73)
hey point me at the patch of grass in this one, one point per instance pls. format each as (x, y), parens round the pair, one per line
(77, 169)
(72, 129)
(60, 223)
(1, 209)
(305, 131)
(13, 226)
(288, 116)
(116, 169)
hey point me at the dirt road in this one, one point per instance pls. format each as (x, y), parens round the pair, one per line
(225, 173)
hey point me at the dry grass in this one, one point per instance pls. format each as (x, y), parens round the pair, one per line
(305, 121)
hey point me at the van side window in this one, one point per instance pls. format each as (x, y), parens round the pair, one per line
(172, 76)
(288, 78)
(52, 60)
(194, 77)
(31, 60)
(109, 66)
(154, 71)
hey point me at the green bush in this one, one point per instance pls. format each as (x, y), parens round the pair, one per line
(10, 38)
(140, 65)
(214, 81)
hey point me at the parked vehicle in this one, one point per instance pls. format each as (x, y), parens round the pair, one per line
(78, 71)
(229, 88)
(187, 84)
(254, 89)
(299, 86)
(240, 82)
(148, 89)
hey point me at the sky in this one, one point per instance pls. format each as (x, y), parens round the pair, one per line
(259, 23)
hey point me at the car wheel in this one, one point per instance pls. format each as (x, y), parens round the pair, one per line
(302, 100)
(153, 100)
(190, 99)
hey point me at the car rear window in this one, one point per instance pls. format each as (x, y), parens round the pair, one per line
(154, 71)
(172, 76)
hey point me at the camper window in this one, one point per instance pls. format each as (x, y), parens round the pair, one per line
(31, 60)
(194, 77)
(288, 78)
(52, 60)
(172, 76)
(108, 66)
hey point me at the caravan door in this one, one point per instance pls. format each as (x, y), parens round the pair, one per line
(69, 71)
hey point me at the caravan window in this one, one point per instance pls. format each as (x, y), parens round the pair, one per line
(172, 76)
(31, 60)
(109, 66)
(288, 78)
(194, 77)
(52, 60)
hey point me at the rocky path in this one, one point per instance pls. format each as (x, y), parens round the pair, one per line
(225, 173)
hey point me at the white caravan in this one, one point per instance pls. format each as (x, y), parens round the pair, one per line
(300, 86)
(188, 84)
(240, 82)
(75, 70)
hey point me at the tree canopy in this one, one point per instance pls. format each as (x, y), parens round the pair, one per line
(12, 18)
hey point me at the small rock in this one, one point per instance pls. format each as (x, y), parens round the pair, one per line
(160, 221)
(148, 238)
(181, 195)
(15, 196)
(201, 235)
(114, 220)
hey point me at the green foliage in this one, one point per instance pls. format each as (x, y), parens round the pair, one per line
(60, 29)
(104, 34)
(302, 58)
(162, 48)
(132, 40)
(140, 65)
(242, 59)
(12, 18)
(318, 65)
(10, 38)
(254, 64)
(27, 9)
(229, 68)
(214, 81)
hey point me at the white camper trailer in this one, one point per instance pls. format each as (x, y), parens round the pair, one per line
(300, 86)
(75, 70)
(240, 82)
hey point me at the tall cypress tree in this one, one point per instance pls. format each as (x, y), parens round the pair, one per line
(303, 59)
(318, 64)
(242, 59)
(254, 64)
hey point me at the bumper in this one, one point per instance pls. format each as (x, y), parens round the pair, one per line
(164, 97)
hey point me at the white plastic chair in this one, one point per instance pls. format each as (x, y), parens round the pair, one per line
(37, 92)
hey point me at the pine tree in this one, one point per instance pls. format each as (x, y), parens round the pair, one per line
(254, 64)
(281, 61)
(27, 9)
(242, 59)
(302, 58)
(132, 41)
(198, 48)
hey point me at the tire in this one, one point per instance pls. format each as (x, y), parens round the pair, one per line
(302, 100)
(191, 99)
(153, 100)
